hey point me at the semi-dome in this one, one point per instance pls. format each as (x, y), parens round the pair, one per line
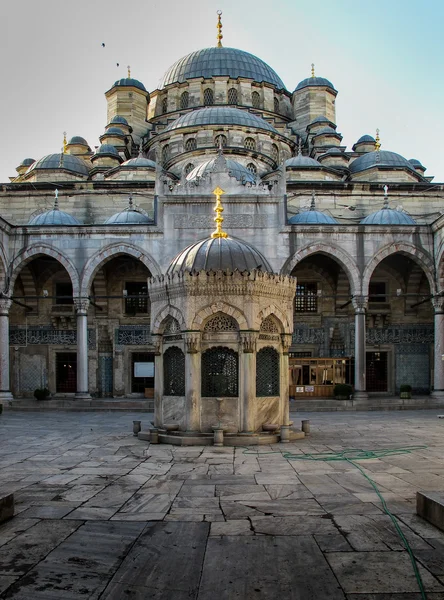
(215, 62)
(417, 164)
(302, 162)
(139, 162)
(388, 216)
(235, 169)
(27, 162)
(381, 158)
(129, 82)
(314, 82)
(220, 115)
(69, 162)
(129, 216)
(77, 139)
(219, 254)
(312, 217)
(54, 217)
(118, 120)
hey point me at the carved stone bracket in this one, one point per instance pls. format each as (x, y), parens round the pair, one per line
(192, 341)
(81, 305)
(286, 339)
(248, 341)
(5, 305)
(360, 304)
(156, 340)
(438, 304)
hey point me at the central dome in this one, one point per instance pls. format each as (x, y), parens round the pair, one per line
(220, 115)
(215, 62)
(219, 254)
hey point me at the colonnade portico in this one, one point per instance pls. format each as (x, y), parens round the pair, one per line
(360, 305)
(81, 306)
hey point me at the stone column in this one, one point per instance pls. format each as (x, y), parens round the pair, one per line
(81, 305)
(5, 392)
(248, 383)
(438, 376)
(193, 360)
(360, 306)
(284, 379)
(158, 380)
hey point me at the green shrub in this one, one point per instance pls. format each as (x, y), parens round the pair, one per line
(405, 388)
(41, 393)
(342, 390)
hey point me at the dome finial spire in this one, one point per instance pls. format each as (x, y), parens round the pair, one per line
(386, 199)
(218, 209)
(313, 201)
(377, 141)
(219, 29)
(65, 143)
(56, 199)
(300, 147)
(130, 202)
(312, 69)
(129, 71)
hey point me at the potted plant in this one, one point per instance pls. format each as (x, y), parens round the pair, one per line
(41, 393)
(342, 391)
(405, 390)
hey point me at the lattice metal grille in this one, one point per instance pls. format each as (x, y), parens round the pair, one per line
(189, 167)
(221, 322)
(269, 325)
(267, 372)
(165, 154)
(220, 140)
(174, 372)
(172, 326)
(208, 97)
(256, 100)
(220, 372)
(232, 96)
(249, 143)
(190, 144)
(306, 299)
(184, 100)
(252, 168)
(275, 153)
(276, 105)
(165, 105)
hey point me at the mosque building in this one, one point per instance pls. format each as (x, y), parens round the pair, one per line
(330, 268)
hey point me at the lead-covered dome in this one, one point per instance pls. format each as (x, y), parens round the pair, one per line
(219, 254)
(129, 82)
(380, 158)
(54, 217)
(388, 216)
(235, 169)
(312, 217)
(129, 216)
(69, 162)
(215, 62)
(220, 115)
(314, 82)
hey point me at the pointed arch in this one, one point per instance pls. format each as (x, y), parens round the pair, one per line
(97, 261)
(160, 320)
(278, 314)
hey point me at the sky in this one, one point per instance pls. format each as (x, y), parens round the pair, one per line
(384, 57)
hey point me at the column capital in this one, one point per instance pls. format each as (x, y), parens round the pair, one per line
(5, 305)
(248, 341)
(192, 341)
(81, 305)
(286, 339)
(438, 304)
(360, 304)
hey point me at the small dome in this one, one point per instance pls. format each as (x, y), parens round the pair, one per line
(312, 217)
(215, 62)
(382, 158)
(315, 82)
(139, 162)
(27, 162)
(388, 216)
(68, 162)
(416, 164)
(54, 217)
(327, 131)
(107, 149)
(114, 130)
(118, 120)
(129, 82)
(334, 150)
(129, 216)
(235, 169)
(77, 139)
(366, 139)
(219, 254)
(302, 162)
(220, 115)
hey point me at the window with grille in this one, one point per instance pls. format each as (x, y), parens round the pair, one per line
(190, 144)
(184, 100)
(188, 168)
(232, 96)
(250, 143)
(136, 300)
(220, 373)
(306, 299)
(174, 372)
(164, 105)
(208, 97)
(267, 372)
(275, 153)
(256, 100)
(221, 322)
(252, 168)
(220, 140)
(165, 154)
(276, 105)
(377, 291)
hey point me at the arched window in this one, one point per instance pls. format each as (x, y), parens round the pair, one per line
(208, 97)
(220, 140)
(220, 373)
(276, 105)
(256, 100)
(232, 96)
(275, 153)
(164, 106)
(252, 168)
(184, 100)
(165, 154)
(174, 372)
(190, 144)
(221, 322)
(267, 372)
(188, 168)
(250, 143)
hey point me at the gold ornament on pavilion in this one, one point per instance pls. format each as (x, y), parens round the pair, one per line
(65, 143)
(312, 69)
(219, 29)
(129, 71)
(218, 209)
(377, 141)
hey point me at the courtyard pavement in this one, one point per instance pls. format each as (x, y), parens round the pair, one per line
(102, 514)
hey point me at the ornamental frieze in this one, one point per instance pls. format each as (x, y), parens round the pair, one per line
(186, 221)
(22, 336)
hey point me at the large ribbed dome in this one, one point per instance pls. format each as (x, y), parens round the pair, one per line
(219, 254)
(220, 115)
(214, 62)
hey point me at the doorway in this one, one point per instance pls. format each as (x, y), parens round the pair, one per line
(376, 371)
(66, 372)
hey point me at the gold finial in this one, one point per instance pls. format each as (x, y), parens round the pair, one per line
(377, 141)
(65, 143)
(129, 72)
(312, 69)
(218, 209)
(219, 29)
